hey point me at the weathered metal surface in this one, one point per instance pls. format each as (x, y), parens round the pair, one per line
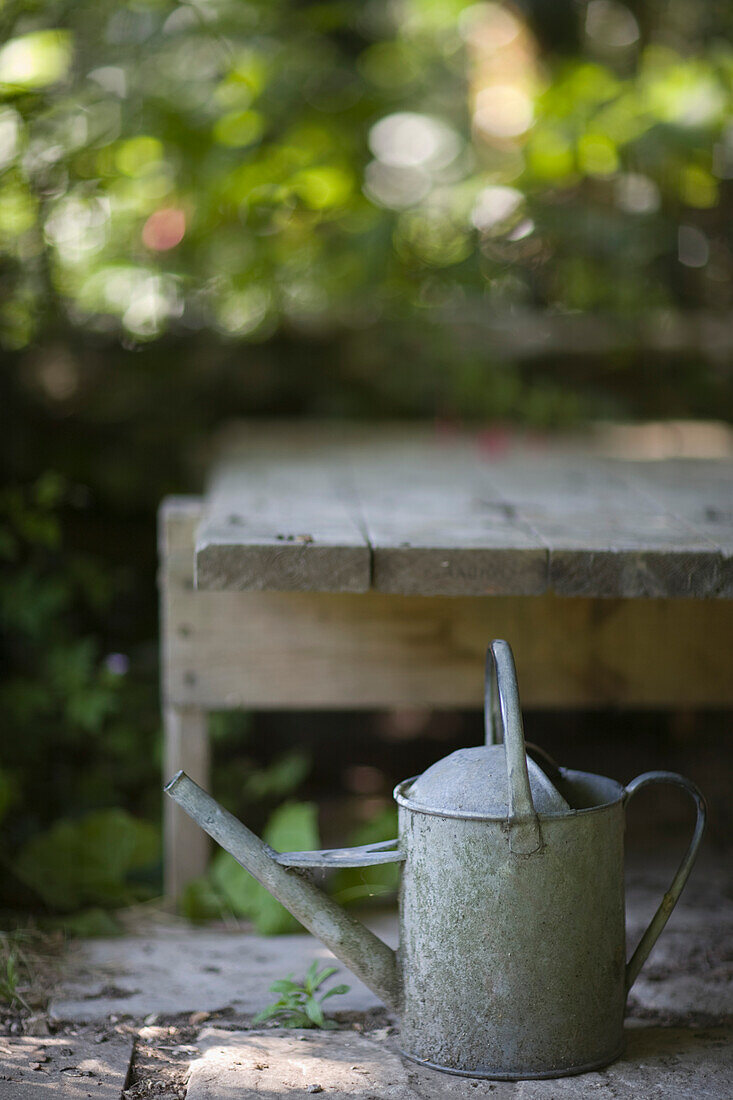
(512, 956)
(473, 782)
(365, 855)
(517, 969)
(664, 912)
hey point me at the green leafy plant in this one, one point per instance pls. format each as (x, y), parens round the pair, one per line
(77, 724)
(27, 962)
(365, 885)
(298, 1005)
(88, 862)
(230, 890)
(10, 980)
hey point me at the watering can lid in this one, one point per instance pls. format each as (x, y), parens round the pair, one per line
(474, 781)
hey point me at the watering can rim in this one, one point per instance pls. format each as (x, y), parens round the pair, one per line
(401, 795)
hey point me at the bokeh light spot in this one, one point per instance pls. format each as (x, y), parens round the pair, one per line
(503, 111)
(164, 229)
(597, 155)
(496, 207)
(409, 140)
(239, 128)
(138, 155)
(611, 25)
(637, 194)
(35, 60)
(693, 249)
(698, 187)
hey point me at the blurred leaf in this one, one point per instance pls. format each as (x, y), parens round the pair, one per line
(314, 1011)
(355, 884)
(88, 862)
(8, 792)
(318, 979)
(200, 901)
(89, 923)
(283, 986)
(29, 602)
(335, 992)
(293, 827)
(239, 128)
(278, 779)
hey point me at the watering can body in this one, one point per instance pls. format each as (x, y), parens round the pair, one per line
(513, 965)
(511, 962)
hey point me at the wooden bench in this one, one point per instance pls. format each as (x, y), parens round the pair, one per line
(349, 566)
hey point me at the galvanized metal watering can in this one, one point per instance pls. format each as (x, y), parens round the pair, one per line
(511, 961)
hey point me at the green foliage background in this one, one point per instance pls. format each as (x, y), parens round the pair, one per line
(208, 209)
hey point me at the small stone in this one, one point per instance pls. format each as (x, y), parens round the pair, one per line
(198, 1018)
(150, 1033)
(314, 1088)
(37, 1025)
(152, 1018)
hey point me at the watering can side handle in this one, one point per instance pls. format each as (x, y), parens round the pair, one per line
(663, 913)
(365, 855)
(502, 713)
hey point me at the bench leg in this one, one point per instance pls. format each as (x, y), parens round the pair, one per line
(186, 845)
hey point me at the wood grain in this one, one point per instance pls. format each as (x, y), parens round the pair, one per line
(429, 530)
(276, 518)
(310, 649)
(406, 510)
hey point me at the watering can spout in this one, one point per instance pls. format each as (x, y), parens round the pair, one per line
(368, 957)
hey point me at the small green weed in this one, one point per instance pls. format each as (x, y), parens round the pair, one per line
(28, 963)
(297, 1005)
(10, 979)
(14, 969)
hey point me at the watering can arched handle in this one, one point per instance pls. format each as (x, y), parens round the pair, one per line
(502, 715)
(663, 913)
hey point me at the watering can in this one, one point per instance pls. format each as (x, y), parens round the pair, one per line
(511, 961)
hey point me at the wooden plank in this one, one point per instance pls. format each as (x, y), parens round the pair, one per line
(699, 493)
(185, 728)
(185, 846)
(305, 650)
(413, 511)
(606, 537)
(429, 530)
(277, 517)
